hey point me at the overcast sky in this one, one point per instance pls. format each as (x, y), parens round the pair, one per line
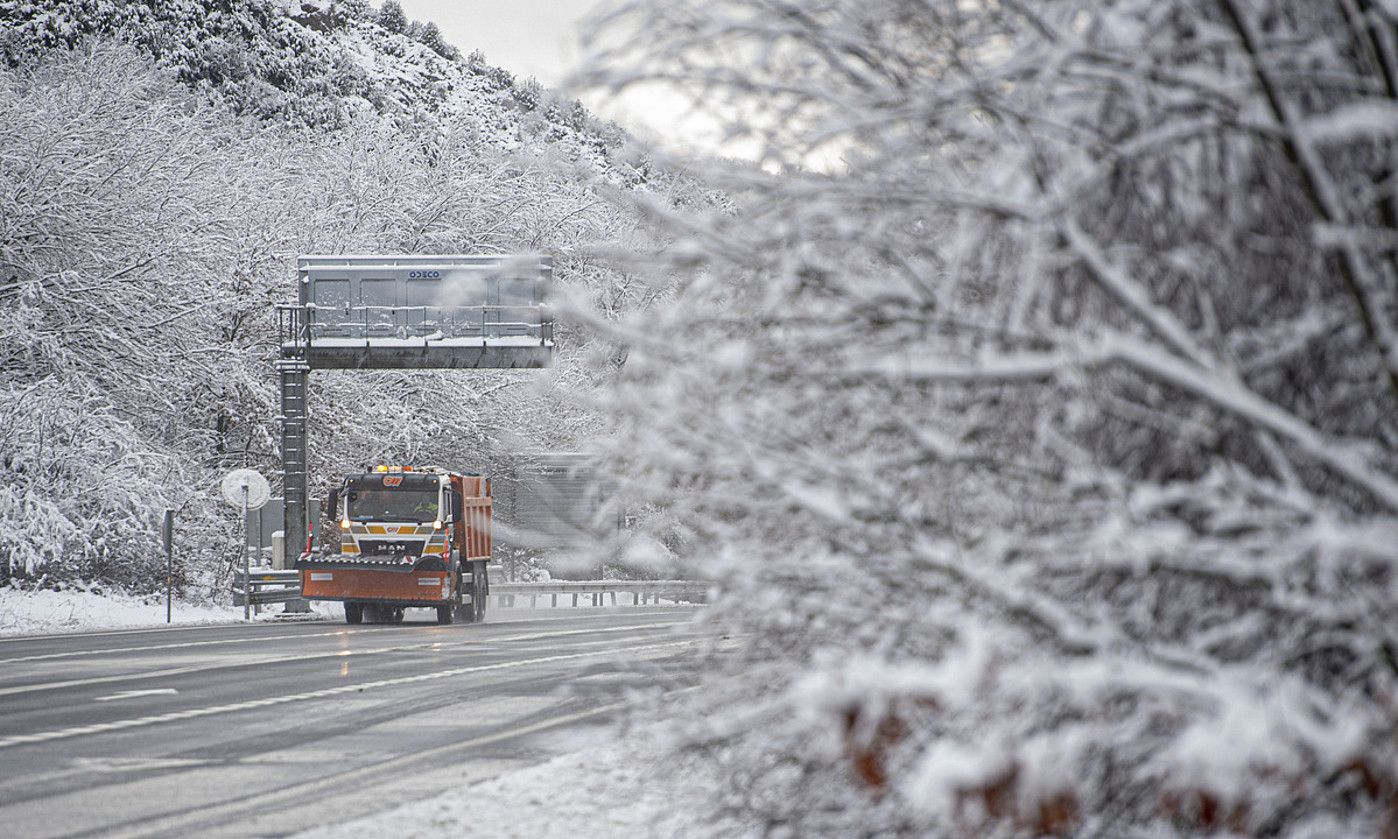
(527, 37)
(539, 38)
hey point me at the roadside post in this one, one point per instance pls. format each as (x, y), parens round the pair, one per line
(247, 600)
(167, 534)
(246, 489)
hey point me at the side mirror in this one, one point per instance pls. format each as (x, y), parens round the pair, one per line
(332, 505)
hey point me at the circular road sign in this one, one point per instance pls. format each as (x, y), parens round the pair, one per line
(257, 489)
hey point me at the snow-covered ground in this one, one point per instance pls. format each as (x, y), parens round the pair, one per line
(40, 612)
(617, 791)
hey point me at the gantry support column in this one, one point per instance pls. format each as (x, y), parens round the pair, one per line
(295, 378)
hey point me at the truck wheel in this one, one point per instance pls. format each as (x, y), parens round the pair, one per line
(354, 613)
(443, 614)
(465, 587)
(480, 588)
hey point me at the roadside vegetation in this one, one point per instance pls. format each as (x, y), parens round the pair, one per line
(162, 167)
(1035, 410)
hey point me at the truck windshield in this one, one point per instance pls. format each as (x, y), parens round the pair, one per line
(402, 504)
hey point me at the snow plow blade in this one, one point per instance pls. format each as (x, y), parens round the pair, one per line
(342, 562)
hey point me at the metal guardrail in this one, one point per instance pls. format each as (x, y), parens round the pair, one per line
(641, 591)
(282, 586)
(267, 587)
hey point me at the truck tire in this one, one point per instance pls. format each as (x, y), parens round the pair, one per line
(444, 614)
(480, 589)
(465, 612)
(354, 613)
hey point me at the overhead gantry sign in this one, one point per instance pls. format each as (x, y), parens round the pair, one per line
(401, 313)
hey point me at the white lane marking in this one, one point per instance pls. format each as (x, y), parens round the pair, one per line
(133, 694)
(609, 612)
(100, 680)
(247, 660)
(134, 764)
(267, 702)
(560, 632)
(148, 647)
(106, 633)
(254, 638)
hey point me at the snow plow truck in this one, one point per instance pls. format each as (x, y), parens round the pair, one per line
(398, 538)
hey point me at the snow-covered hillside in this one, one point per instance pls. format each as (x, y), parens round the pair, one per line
(165, 162)
(322, 63)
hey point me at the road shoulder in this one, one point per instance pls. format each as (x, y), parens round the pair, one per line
(623, 788)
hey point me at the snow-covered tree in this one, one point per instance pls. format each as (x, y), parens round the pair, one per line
(430, 36)
(391, 16)
(118, 246)
(314, 63)
(1035, 409)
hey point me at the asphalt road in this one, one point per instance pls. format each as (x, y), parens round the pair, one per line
(267, 729)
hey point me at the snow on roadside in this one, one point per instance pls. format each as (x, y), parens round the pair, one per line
(617, 791)
(40, 612)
